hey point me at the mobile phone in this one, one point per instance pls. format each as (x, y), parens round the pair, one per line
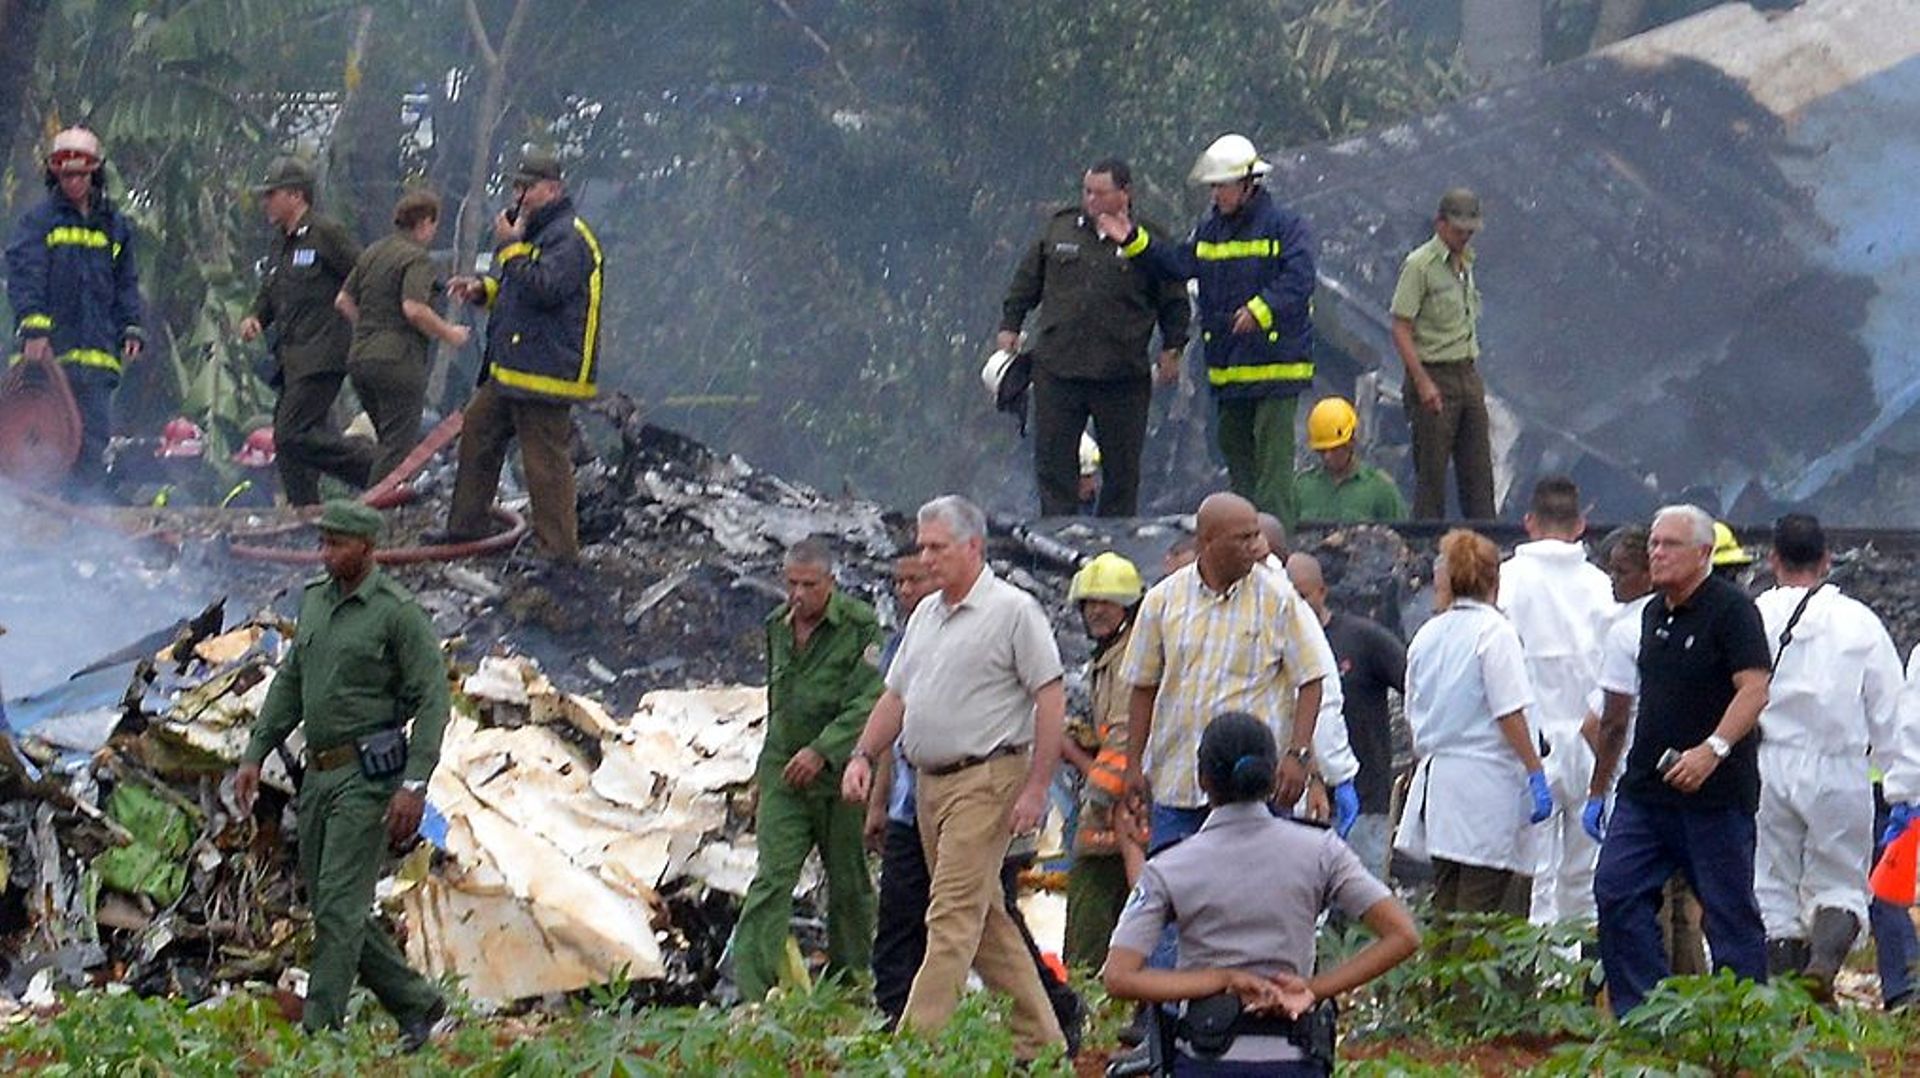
(1667, 760)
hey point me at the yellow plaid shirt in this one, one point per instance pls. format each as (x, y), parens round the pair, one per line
(1245, 649)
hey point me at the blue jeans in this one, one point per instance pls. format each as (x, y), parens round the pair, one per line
(1166, 825)
(1894, 945)
(1645, 845)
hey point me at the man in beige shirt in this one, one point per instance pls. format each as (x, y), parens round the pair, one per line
(1436, 331)
(974, 697)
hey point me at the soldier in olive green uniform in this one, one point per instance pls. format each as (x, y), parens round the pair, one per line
(822, 681)
(1098, 311)
(388, 299)
(310, 259)
(364, 661)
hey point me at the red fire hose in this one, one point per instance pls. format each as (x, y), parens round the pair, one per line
(388, 493)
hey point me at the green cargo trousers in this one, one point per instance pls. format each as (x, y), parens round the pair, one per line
(790, 823)
(343, 843)
(1256, 438)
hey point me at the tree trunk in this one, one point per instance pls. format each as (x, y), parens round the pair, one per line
(1502, 39)
(1618, 19)
(20, 24)
(474, 214)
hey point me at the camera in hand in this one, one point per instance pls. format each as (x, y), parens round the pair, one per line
(1667, 760)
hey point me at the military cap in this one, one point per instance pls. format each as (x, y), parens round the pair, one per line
(537, 165)
(1461, 207)
(350, 518)
(286, 172)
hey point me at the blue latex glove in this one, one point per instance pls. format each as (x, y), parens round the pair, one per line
(1542, 797)
(1899, 815)
(1346, 808)
(1594, 818)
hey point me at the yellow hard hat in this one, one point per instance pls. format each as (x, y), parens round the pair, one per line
(1331, 424)
(1108, 576)
(1726, 548)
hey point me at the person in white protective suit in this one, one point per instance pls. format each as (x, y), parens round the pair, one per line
(1334, 761)
(1560, 603)
(1830, 716)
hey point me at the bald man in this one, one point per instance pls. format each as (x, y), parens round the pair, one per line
(1371, 660)
(1227, 633)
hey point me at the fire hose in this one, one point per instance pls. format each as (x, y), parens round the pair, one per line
(388, 493)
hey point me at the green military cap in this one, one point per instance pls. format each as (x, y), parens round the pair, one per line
(1461, 208)
(286, 172)
(537, 165)
(351, 518)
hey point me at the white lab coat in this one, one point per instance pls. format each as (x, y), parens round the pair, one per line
(1560, 604)
(1831, 703)
(1469, 801)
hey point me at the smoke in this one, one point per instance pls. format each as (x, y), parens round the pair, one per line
(73, 591)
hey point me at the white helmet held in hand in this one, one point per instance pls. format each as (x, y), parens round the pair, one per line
(1230, 158)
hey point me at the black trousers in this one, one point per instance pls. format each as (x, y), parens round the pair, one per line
(900, 933)
(1061, 409)
(305, 444)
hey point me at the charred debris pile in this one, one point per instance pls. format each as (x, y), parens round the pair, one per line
(591, 814)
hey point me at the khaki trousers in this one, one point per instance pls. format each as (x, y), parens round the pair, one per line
(544, 429)
(963, 828)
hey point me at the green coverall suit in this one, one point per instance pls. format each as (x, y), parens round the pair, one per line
(361, 662)
(817, 697)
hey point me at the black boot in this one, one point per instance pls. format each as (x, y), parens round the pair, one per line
(1832, 937)
(1786, 957)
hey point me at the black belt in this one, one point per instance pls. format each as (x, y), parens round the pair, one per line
(971, 761)
(337, 756)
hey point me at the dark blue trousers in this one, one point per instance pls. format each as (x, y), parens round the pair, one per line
(1895, 946)
(1645, 845)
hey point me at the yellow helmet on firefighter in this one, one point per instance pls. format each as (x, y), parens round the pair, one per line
(1726, 547)
(1230, 158)
(1331, 424)
(1110, 577)
(74, 150)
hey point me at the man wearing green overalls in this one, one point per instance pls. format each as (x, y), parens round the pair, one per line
(365, 660)
(822, 679)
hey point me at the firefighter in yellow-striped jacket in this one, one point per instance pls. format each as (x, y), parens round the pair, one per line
(75, 290)
(544, 292)
(1253, 261)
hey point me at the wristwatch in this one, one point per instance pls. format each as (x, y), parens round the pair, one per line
(414, 786)
(1718, 744)
(1301, 753)
(859, 753)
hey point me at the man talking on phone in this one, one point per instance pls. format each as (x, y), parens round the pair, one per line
(1692, 783)
(543, 291)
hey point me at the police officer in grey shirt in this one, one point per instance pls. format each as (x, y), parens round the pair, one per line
(1247, 936)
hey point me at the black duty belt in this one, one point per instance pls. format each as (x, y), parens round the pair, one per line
(337, 756)
(972, 761)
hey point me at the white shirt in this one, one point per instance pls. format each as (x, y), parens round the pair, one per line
(1469, 801)
(968, 672)
(1835, 686)
(1620, 670)
(1559, 603)
(1332, 752)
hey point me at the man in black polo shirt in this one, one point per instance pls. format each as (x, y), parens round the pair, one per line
(1372, 660)
(1704, 667)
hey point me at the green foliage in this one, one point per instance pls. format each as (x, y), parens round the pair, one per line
(1479, 977)
(1722, 1025)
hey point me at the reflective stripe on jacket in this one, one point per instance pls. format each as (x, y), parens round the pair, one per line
(545, 292)
(72, 278)
(1261, 258)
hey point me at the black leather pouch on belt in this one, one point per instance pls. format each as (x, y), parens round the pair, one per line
(383, 753)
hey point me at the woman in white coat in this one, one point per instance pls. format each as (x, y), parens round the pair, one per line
(1479, 788)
